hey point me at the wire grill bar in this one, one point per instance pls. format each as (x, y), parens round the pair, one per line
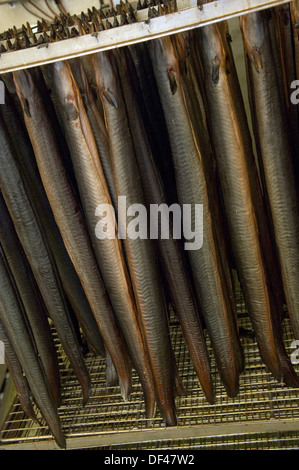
(263, 405)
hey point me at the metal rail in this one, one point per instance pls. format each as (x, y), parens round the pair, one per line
(188, 16)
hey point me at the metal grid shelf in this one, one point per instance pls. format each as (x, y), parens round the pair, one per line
(265, 414)
(267, 441)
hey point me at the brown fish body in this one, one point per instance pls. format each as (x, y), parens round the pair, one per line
(12, 319)
(16, 196)
(286, 48)
(275, 37)
(34, 306)
(97, 124)
(178, 280)
(140, 252)
(294, 6)
(71, 223)
(69, 278)
(155, 125)
(94, 193)
(15, 369)
(192, 81)
(189, 168)
(275, 153)
(235, 178)
(294, 9)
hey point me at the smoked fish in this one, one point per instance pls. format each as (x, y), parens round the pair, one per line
(69, 278)
(294, 6)
(233, 162)
(70, 220)
(275, 153)
(15, 369)
(12, 319)
(94, 194)
(140, 252)
(34, 306)
(97, 124)
(170, 251)
(286, 47)
(25, 220)
(192, 190)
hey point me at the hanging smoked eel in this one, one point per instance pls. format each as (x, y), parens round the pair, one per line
(173, 264)
(34, 306)
(275, 153)
(191, 79)
(140, 251)
(95, 195)
(12, 319)
(294, 6)
(16, 372)
(69, 278)
(192, 190)
(285, 45)
(70, 220)
(97, 124)
(16, 196)
(229, 134)
(153, 116)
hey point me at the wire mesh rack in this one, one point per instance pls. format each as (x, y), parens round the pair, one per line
(264, 415)
(267, 441)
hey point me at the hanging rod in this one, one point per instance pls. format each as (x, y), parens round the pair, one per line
(188, 16)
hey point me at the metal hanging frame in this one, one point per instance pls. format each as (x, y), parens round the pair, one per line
(188, 16)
